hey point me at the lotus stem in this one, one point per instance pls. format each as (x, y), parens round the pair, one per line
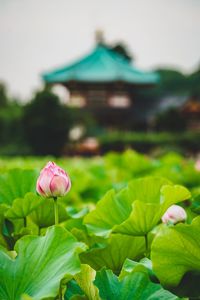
(56, 210)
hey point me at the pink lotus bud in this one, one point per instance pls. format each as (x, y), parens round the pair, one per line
(53, 181)
(174, 214)
(197, 165)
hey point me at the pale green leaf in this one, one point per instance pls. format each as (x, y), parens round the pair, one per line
(173, 194)
(85, 280)
(176, 251)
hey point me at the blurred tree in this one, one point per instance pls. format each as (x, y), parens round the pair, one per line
(10, 123)
(121, 49)
(3, 95)
(46, 123)
(173, 82)
(194, 84)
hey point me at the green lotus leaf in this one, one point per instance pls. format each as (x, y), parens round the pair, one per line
(176, 251)
(77, 214)
(85, 280)
(40, 264)
(2, 240)
(135, 210)
(147, 189)
(77, 297)
(91, 241)
(136, 163)
(173, 194)
(195, 207)
(143, 218)
(72, 224)
(26, 297)
(153, 200)
(15, 184)
(20, 231)
(22, 207)
(135, 286)
(114, 254)
(73, 291)
(144, 265)
(111, 210)
(43, 215)
(3, 209)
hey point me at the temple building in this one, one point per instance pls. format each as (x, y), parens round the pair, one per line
(104, 81)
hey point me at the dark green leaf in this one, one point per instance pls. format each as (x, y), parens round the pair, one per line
(135, 286)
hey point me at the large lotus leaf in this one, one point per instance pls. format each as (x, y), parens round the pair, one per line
(136, 209)
(143, 218)
(111, 210)
(85, 280)
(15, 184)
(176, 251)
(40, 264)
(114, 254)
(135, 286)
(147, 189)
(43, 215)
(157, 190)
(22, 207)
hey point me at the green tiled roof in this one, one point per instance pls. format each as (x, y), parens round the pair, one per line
(101, 65)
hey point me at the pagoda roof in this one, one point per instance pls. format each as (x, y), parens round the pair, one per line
(101, 65)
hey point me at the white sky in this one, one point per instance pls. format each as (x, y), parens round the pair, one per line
(38, 35)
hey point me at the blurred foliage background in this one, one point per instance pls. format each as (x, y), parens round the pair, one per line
(42, 125)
